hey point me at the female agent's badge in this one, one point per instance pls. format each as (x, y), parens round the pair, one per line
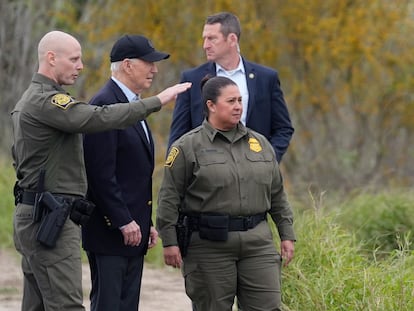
(254, 145)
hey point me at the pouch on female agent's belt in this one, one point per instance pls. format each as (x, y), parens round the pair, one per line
(213, 227)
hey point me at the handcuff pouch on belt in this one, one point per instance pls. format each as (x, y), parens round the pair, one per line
(81, 211)
(213, 227)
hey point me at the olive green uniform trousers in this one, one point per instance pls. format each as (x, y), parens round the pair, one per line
(246, 265)
(52, 277)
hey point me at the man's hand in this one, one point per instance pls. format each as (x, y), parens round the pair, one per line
(171, 93)
(172, 256)
(287, 251)
(132, 234)
(153, 238)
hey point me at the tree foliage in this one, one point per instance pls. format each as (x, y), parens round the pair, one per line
(351, 84)
(345, 68)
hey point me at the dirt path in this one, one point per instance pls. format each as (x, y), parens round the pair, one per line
(162, 289)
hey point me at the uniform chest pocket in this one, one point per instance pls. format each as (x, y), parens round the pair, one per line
(213, 168)
(261, 166)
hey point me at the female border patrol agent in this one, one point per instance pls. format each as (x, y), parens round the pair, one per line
(220, 182)
(47, 125)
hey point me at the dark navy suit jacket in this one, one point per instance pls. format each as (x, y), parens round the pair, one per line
(267, 112)
(119, 166)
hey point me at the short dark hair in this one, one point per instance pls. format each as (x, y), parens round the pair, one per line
(211, 89)
(229, 23)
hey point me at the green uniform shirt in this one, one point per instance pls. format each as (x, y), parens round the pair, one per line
(206, 172)
(47, 125)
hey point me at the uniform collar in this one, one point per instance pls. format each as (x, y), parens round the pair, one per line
(212, 132)
(42, 79)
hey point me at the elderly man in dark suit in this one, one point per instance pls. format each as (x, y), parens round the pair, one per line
(264, 108)
(119, 166)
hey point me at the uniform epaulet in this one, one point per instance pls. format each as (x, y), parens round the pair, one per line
(62, 101)
(194, 130)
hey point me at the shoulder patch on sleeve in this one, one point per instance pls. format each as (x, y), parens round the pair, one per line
(171, 156)
(62, 101)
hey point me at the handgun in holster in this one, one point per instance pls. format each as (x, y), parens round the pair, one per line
(184, 231)
(56, 211)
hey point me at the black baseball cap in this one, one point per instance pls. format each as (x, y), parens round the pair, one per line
(136, 46)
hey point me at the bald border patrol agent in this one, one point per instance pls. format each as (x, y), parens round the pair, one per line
(48, 159)
(221, 180)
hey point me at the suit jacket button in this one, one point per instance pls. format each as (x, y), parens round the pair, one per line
(149, 203)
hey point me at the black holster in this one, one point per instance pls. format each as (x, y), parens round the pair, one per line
(55, 213)
(184, 231)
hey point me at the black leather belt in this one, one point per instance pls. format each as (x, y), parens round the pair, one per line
(27, 197)
(238, 223)
(245, 223)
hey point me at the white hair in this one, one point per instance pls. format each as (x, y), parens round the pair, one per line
(115, 66)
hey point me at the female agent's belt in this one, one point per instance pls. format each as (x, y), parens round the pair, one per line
(238, 223)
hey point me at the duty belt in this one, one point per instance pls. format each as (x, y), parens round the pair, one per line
(26, 197)
(238, 223)
(29, 197)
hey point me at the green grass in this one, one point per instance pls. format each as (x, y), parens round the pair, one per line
(353, 254)
(331, 272)
(333, 269)
(379, 220)
(7, 180)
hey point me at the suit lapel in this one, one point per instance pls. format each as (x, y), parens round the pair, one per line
(119, 95)
(251, 86)
(149, 145)
(209, 70)
(121, 98)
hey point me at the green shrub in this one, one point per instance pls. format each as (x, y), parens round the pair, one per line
(331, 272)
(379, 220)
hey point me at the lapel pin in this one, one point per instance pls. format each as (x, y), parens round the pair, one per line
(251, 75)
